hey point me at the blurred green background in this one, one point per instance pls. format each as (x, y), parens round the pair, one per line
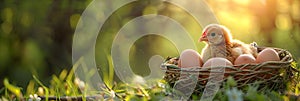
(36, 36)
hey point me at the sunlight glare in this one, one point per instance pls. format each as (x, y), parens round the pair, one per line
(242, 2)
(283, 22)
(296, 10)
(263, 2)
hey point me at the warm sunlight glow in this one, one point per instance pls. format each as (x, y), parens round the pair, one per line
(283, 22)
(296, 10)
(242, 2)
(235, 20)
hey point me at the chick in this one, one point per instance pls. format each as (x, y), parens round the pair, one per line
(220, 44)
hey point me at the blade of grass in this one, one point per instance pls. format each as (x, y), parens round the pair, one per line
(41, 84)
(71, 84)
(63, 74)
(70, 75)
(297, 89)
(6, 93)
(13, 89)
(109, 82)
(73, 89)
(57, 84)
(30, 88)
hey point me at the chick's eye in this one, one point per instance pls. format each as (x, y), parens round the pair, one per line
(213, 34)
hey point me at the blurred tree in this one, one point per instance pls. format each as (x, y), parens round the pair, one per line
(36, 37)
(295, 16)
(265, 11)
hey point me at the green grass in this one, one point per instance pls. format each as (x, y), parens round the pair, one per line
(66, 84)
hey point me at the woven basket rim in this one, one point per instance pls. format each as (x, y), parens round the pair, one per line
(287, 60)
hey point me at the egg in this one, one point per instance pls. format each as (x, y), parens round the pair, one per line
(217, 61)
(267, 54)
(189, 58)
(245, 59)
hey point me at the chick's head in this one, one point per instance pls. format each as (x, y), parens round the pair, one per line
(215, 34)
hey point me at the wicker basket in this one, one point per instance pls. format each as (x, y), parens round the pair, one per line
(271, 75)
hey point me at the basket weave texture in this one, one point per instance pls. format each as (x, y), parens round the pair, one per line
(270, 75)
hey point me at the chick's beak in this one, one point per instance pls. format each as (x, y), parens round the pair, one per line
(203, 37)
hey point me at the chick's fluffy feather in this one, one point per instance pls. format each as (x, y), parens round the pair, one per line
(230, 49)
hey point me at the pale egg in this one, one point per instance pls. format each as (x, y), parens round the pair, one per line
(267, 54)
(245, 59)
(217, 61)
(189, 58)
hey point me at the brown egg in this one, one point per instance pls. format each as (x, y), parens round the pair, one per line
(267, 54)
(217, 61)
(189, 58)
(245, 59)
